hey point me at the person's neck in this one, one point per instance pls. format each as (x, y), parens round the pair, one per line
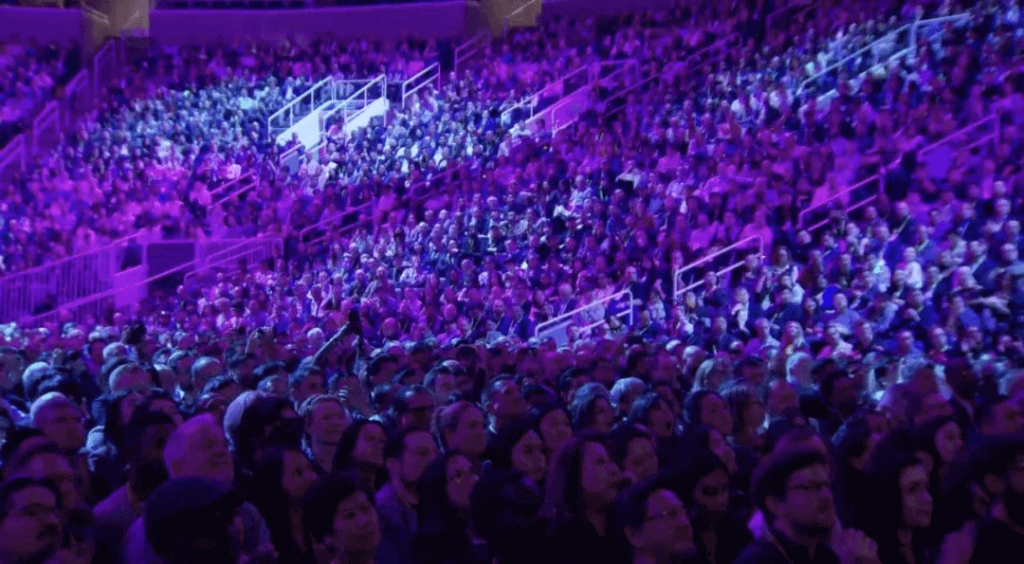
(599, 520)
(324, 453)
(811, 542)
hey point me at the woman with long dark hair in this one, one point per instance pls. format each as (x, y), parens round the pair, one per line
(361, 451)
(898, 513)
(653, 412)
(703, 485)
(281, 475)
(581, 490)
(445, 535)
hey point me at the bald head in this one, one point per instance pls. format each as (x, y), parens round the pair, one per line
(198, 448)
(131, 377)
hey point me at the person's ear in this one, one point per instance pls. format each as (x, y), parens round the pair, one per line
(635, 537)
(774, 505)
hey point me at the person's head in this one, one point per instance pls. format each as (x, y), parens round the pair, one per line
(654, 521)
(901, 483)
(653, 412)
(708, 408)
(339, 513)
(445, 489)
(591, 409)
(325, 418)
(307, 380)
(782, 396)
(502, 400)
(60, 420)
(633, 448)
(584, 478)
(413, 407)
(30, 523)
(43, 460)
(130, 377)
(145, 439)
(554, 426)
(703, 485)
(794, 491)
(518, 446)
(361, 446)
(854, 442)
(461, 427)
(204, 369)
(624, 393)
(407, 454)
(941, 438)
(198, 448)
(999, 416)
(281, 476)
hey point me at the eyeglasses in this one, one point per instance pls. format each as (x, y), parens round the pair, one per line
(810, 487)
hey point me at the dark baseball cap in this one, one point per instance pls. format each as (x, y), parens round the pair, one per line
(182, 500)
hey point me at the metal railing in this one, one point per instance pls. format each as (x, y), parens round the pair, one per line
(66, 280)
(233, 189)
(532, 4)
(420, 80)
(982, 125)
(283, 119)
(743, 244)
(556, 90)
(470, 48)
(362, 215)
(829, 204)
(227, 260)
(692, 63)
(371, 91)
(587, 317)
(13, 157)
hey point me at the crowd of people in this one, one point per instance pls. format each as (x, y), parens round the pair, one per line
(850, 392)
(29, 75)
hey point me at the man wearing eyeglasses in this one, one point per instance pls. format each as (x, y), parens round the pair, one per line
(655, 523)
(30, 523)
(794, 492)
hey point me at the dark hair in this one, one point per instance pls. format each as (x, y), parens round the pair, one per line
(447, 418)
(492, 386)
(9, 488)
(882, 513)
(133, 431)
(631, 504)
(436, 512)
(322, 500)
(642, 407)
(693, 405)
(112, 426)
(983, 415)
(217, 383)
(303, 373)
(505, 508)
(772, 473)
(397, 442)
(621, 437)
(267, 369)
(266, 493)
(343, 460)
(499, 448)
(262, 413)
(700, 463)
(563, 500)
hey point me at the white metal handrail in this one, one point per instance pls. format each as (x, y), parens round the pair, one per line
(992, 120)
(256, 249)
(889, 38)
(14, 156)
(346, 108)
(802, 218)
(430, 74)
(741, 244)
(471, 47)
(288, 112)
(517, 11)
(586, 317)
